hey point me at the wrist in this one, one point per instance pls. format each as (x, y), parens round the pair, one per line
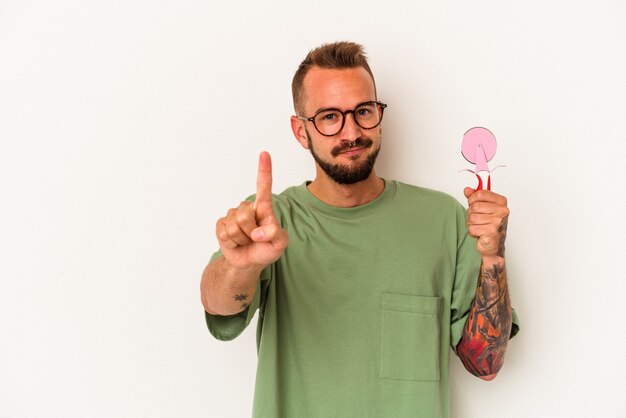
(492, 260)
(244, 270)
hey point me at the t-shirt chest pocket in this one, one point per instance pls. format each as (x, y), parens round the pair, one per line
(410, 343)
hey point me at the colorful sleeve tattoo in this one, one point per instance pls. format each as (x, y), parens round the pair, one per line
(488, 326)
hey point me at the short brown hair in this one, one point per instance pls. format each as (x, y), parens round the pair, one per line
(337, 55)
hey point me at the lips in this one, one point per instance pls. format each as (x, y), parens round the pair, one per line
(352, 151)
(350, 147)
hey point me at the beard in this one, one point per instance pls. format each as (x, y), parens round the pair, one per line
(344, 174)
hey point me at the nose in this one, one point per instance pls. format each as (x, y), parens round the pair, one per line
(351, 131)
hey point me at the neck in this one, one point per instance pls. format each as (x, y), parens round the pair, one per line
(346, 195)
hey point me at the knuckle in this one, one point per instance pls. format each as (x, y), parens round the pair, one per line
(271, 230)
(231, 213)
(222, 235)
(243, 216)
(486, 241)
(232, 229)
(231, 226)
(220, 229)
(229, 244)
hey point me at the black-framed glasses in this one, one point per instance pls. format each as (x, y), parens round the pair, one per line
(329, 122)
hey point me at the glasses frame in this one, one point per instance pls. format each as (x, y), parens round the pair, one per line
(381, 105)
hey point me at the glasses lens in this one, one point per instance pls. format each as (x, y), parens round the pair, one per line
(368, 115)
(328, 122)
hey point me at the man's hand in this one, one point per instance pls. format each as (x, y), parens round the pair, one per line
(249, 235)
(487, 217)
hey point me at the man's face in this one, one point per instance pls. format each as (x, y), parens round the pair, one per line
(349, 156)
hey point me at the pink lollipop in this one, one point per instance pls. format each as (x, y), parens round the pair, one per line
(479, 147)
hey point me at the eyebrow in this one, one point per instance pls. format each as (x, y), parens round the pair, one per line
(322, 109)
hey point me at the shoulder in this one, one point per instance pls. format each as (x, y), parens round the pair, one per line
(289, 197)
(289, 202)
(425, 196)
(439, 210)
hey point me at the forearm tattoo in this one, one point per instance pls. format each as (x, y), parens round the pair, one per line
(242, 298)
(488, 327)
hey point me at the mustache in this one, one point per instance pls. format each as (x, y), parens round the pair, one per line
(358, 143)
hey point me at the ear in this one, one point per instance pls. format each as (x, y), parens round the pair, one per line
(297, 126)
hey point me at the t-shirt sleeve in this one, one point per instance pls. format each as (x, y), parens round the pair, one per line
(465, 281)
(226, 328)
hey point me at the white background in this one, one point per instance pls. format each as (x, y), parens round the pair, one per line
(128, 127)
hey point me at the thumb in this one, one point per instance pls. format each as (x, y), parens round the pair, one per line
(266, 233)
(468, 191)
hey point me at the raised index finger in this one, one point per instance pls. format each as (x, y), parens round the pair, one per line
(264, 179)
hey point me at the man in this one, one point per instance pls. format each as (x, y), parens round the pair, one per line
(361, 283)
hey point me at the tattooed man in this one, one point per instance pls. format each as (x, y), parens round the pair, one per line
(361, 283)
